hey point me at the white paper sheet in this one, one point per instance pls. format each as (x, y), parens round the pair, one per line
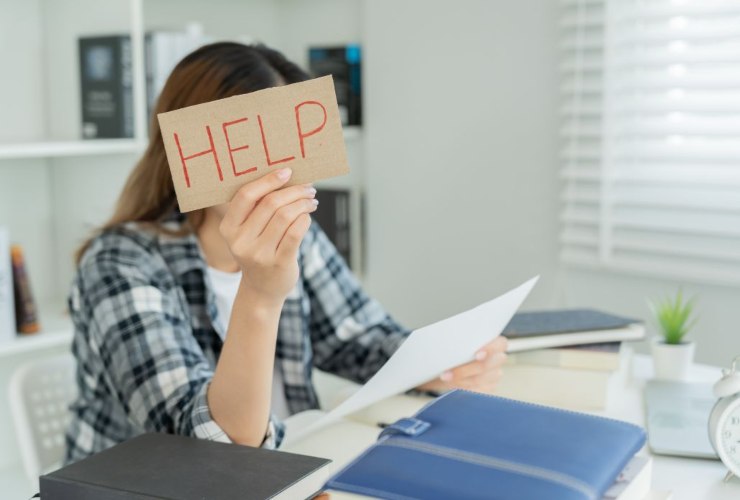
(429, 351)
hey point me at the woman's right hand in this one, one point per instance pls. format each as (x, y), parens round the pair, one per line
(263, 226)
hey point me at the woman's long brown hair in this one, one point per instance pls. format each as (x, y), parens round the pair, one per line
(211, 72)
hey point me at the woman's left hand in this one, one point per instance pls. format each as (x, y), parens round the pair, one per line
(480, 375)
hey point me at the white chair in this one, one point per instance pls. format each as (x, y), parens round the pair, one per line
(40, 393)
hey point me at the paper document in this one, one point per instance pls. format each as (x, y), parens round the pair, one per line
(429, 351)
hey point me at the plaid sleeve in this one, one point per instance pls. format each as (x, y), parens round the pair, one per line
(139, 327)
(352, 335)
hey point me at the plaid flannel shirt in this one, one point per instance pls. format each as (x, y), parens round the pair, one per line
(146, 342)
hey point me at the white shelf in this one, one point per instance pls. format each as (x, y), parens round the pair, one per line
(92, 147)
(56, 331)
(54, 149)
(36, 341)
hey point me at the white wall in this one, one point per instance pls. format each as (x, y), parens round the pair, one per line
(318, 22)
(25, 205)
(222, 19)
(20, 94)
(461, 153)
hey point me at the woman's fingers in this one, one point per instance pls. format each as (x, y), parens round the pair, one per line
(462, 372)
(263, 226)
(288, 247)
(499, 344)
(282, 219)
(251, 193)
(490, 364)
(482, 374)
(268, 206)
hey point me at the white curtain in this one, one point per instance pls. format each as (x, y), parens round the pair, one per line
(651, 125)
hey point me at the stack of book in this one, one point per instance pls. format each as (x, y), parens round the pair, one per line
(570, 359)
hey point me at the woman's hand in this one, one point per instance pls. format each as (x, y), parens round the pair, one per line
(263, 226)
(480, 375)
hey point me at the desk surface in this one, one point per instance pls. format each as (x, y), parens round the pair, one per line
(689, 479)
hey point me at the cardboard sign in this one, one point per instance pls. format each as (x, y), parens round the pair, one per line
(216, 147)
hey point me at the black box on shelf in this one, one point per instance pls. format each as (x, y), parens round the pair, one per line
(333, 216)
(106, 87)
(344, 63)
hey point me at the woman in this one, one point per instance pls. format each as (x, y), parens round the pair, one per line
(209, 324)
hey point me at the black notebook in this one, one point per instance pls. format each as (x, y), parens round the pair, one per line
(176, 467)
(543, 329)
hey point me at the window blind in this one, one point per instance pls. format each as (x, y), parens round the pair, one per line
(651, 131)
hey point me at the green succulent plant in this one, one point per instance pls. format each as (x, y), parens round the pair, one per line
(674, 316)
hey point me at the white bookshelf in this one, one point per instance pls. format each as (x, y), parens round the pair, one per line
(55, 187)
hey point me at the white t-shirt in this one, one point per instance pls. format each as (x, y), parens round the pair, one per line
(225, 286)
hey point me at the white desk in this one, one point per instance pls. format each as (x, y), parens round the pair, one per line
(689, 479)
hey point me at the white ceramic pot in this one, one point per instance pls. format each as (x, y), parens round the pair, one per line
(672, 361)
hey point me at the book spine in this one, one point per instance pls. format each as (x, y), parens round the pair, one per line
(163, 50)
(149, 77)
(354, 82)
(26, 316)
(7, 307)
(127, 88)
(333, 61)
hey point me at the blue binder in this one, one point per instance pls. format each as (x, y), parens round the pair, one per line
(470, 445)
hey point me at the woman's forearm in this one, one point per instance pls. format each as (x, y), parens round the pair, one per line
(263, 227)
(240, 391)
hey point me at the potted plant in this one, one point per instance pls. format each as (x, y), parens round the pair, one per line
(672, 355)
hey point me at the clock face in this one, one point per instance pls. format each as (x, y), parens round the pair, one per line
(729, 436)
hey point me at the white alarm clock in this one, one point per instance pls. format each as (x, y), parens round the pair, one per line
(724, 421)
